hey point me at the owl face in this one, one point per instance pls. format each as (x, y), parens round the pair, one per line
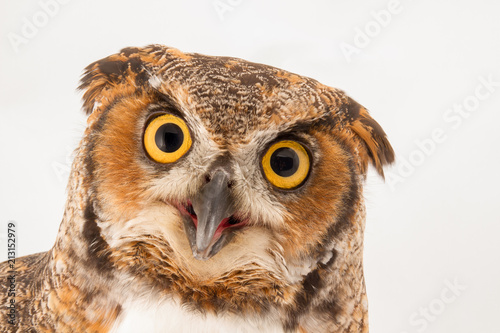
(208, 168)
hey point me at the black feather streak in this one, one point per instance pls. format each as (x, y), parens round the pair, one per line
(98, 249)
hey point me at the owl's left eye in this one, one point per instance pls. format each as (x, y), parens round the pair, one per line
(286, 164)
(167, 138)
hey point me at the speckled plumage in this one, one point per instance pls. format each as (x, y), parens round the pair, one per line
(296, 266)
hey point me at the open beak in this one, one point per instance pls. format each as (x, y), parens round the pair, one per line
(209, 219)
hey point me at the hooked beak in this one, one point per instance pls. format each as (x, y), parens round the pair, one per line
(209, 219)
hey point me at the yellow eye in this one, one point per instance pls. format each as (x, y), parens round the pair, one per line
(167, 138)
(286, 164)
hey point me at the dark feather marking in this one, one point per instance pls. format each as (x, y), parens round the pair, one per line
(138, 67)
(98, 249)
(114, 68)
(89, 163)
(169, 103)
(352, 109)
(128, 51)
(348, 202)
(330, 307)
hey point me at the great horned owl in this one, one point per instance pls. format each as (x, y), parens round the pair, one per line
(208, 194)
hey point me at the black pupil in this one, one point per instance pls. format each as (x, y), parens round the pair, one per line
(284, 162)
(169, 138)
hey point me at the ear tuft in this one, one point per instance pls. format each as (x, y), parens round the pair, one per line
(126, 66)
(96, 77)
(371, 134)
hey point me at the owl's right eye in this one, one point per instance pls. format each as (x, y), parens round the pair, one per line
(167, 138)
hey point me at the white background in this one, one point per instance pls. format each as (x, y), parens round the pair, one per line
(434, 223)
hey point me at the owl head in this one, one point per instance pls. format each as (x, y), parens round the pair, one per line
(201, 171)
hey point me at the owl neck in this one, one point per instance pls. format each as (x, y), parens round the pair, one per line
(78, 268)
(333, 294)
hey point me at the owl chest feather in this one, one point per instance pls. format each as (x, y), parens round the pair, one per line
(171, 316)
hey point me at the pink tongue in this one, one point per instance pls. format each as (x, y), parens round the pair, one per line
(224, 224)
(183, 209)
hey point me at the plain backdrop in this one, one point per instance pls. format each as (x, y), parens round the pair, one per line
(428, 71)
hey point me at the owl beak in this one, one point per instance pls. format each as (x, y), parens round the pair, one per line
(214, 215)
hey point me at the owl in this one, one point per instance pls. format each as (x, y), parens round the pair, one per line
(208, 194)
